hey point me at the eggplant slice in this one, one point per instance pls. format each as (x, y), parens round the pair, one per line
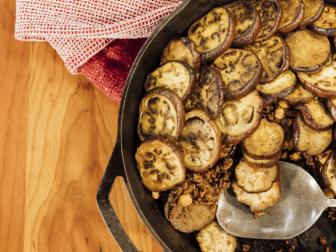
(240, 71)
(329, 173)
(298, 96)
(264, 163)
(292, 15)
(321, 83)
(213, 238)
(312, 11)
(265, 142)
(309, 51)
(274, 56)
(211, 91)
(247, 20)
(161, 113)
(255, 180)
(213, 33)
(200, 141)
(270, 14)
(315, 115)
(174, 75)
(258, 202)
(160, 164)
(331, 104)
(280, 87)
(240, 118)
(192, 205)
(308, 140)
(326, 24)
(183, 50)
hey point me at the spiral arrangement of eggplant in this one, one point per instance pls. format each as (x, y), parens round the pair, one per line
(248, 81)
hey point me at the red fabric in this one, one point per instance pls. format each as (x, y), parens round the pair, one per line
(109, 68)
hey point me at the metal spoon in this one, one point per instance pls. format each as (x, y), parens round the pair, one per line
(301, 204)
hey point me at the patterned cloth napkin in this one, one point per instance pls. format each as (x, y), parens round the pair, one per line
(97, 38)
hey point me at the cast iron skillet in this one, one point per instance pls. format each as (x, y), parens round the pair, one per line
(123, 163)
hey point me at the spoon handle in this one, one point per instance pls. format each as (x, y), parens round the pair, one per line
(332, 203)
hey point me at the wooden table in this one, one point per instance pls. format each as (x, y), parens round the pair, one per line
(56, 136)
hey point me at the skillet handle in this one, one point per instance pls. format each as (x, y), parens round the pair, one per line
(113, 170)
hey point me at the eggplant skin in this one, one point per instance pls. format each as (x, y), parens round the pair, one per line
(332, 109)
(330, 32)
(296, 21)
(303, 96)
(249, 35)
(263, 163)
(175, 100)
(310, 20)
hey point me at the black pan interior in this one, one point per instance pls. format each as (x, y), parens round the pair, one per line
(148, 208)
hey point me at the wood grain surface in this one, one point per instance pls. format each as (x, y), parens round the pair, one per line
(56, 136)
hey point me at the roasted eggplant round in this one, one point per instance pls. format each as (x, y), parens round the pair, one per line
(213, 238)
(255, 179)
(174, 75)
(265, 142)
(308, 140)
(323, 82)
(258, 202)
(326, 24)
(331, 104)
(182, 50)
(298, 96)
(274, 56)
(292, 15)
(240, 118)
(213, 33)
(160, 164)
(270, 13)
(161, 113)
(247, 20)
(240, 70)
(315, 115)
(200, 141)
(312, 11)
(280, 87)
(309, 51)
(329, 173)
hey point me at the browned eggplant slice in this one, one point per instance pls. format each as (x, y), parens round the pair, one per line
(265, 142)
(200, 141)
(312, 11)
(211, 91)
(311, 141)
(213, 238)
(213, 33)
(255, 180)
(309, 51)
(331, 104)
(270, 14)
(161, 113)
(292, 15)
(299, 95)
(258, 202)
(326, 24)
(160, 164)
(329, 173)
(174, 75)
(280, 87)
(321, 83)
(183, 50)
(264, 163)
(192, 205)
(247, 20)
(240, 71)
(274, 56)
(240, 118)
(315, 115)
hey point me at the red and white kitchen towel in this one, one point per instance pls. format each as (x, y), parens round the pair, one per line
(97, 38)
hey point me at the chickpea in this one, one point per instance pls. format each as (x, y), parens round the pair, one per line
(185, 200)
(155, 195)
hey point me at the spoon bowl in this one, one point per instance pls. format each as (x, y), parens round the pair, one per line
(301, 204)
